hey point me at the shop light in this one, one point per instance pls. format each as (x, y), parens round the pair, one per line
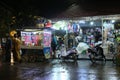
(59, 25)
(91, 23)
(112, 21)
(82, 22)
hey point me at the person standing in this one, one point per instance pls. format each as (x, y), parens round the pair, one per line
(16, 48)
(8, 48)
(54, 45)
(60, 42)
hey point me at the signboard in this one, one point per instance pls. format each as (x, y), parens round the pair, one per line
(47, 38)
(46, 51)
(47, 43)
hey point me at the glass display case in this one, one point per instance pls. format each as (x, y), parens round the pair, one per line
(36, 41)
(32, 39)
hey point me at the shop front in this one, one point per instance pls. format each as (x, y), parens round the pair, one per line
(76, 31)
(90, 30)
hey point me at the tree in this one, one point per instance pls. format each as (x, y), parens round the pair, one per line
(5, 21)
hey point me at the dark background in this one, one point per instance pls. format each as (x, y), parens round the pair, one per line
(54, 8)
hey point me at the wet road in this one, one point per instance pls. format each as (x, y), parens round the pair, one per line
(59, 70)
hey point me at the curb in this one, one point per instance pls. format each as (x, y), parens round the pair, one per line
(87, 59)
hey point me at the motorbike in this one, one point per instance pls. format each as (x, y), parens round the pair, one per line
(67, 54)
(96, 54)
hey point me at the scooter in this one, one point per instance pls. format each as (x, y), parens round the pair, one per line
(96, 53)
(67, 54)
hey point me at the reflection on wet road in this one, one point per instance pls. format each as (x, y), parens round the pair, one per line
(59, 70)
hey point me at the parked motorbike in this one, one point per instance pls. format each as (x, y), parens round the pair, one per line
(96, 54)
(67, 54)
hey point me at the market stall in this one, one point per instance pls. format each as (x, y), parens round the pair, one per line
(36, 42)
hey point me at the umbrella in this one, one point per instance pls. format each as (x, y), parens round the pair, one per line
(82, 47)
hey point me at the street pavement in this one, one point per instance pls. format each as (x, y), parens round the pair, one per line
(57, 69)
(60, 70)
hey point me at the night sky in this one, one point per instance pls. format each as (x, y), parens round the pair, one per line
(52, 8)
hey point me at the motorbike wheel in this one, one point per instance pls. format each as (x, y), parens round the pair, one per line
(116, 59)
(59, 56)
(103, 59)
(75, 57)
(92, 58)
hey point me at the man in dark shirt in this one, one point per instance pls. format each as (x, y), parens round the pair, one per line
(8, 48)
(54, 45)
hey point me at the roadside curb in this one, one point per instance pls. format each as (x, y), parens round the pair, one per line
(87, 59)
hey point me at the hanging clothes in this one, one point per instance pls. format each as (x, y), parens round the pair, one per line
(75, 27)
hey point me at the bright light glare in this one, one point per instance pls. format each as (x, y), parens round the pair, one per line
(113, 21)
(60, 25)
(82, 22)
(60, 74)
(91, 23)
